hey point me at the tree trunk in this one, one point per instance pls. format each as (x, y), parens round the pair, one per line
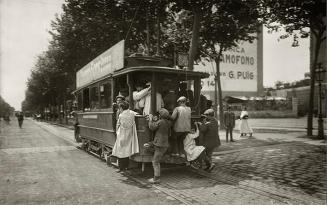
(195, 38)
(218, 84)
(312, 84)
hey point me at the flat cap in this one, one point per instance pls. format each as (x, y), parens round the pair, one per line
(209, 112)
(182, 98)
(120, 96)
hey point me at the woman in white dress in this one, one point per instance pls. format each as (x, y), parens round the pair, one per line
(244, 126)
(126, 143)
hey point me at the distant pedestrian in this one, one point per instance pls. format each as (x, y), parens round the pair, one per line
(126, 142)
(160, 141)
(182, 117)
(244, 125)
(229, 123)
(20, 118)
(209, 136)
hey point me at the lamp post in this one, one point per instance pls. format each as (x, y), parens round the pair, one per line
(321, 72)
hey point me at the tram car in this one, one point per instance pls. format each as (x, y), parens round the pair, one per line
(111, 74)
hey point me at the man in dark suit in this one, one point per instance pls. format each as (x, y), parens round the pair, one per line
(209, 136)
(229, 123)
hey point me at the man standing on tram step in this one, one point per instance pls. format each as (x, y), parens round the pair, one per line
(182, 126)
(139, 96)
(20, 118)
(147, 100)
(229, 123)
(160, 141)
(126, 143)
(209, 136)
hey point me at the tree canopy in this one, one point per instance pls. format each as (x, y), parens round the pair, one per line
(5, 108)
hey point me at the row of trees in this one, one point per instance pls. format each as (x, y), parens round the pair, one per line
(5, 108)
(203, 28)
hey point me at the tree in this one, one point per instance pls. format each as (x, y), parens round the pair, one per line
(84, 30)
(5, 108)
(296, 16)
(222, 25)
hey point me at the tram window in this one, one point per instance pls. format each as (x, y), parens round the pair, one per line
(105, 95)
(94, 98)
(86, 99)
(79, 101)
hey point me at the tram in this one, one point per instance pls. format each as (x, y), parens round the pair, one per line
(111, 74)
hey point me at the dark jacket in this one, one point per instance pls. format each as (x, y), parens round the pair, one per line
(229, 119)
(20, 117)
(162, 128)
(209, 134)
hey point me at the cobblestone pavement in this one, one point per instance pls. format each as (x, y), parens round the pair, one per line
(289, 167)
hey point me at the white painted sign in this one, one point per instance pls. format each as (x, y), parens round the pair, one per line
(106, 63)
(90, 116)
(238, 69)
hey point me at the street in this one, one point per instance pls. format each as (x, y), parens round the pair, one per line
(41, 164)
(38, 167)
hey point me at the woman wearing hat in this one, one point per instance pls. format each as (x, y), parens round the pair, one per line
(126, 142)
(182, 126)
(160, 141)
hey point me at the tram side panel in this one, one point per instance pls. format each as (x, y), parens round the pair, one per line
(97, 127)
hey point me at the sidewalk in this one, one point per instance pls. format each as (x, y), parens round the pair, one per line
(282, 124)
(262, 139)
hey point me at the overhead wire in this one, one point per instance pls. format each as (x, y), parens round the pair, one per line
(130, 26)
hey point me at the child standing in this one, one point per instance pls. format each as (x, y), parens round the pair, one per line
(160, 141)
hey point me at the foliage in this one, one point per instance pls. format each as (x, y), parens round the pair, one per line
(5, 108)
(84, 30)
(299, 15)
(295, 15)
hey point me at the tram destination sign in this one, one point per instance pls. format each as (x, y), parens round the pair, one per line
(106, 63)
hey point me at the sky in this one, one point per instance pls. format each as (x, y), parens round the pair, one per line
(24, 26)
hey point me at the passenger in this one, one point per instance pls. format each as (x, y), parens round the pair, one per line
(183, 91)
(203, 103)
(124, 93)
(147, 101)
(210, 137)
(127, 142)
(160, 141)
(119, 99)
(229, 123)
(182, 126)
(139, 97)
(170, 99)
(195, 154)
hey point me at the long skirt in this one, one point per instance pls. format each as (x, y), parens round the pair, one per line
(245, 128)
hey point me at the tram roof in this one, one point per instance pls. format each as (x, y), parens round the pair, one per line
(157, 69)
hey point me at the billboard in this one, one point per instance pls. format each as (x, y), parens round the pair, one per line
(106, 63)
(239, 69)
